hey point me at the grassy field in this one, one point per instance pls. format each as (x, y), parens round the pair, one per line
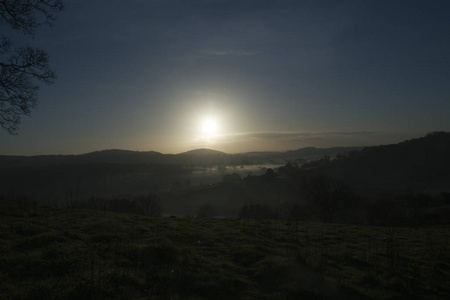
(76, 254)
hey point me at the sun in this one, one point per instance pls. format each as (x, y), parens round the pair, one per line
(209, 126)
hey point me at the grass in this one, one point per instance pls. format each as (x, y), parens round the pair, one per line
(73, 254)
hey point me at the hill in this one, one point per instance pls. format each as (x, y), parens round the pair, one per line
(192, 157)
(314, 153)
(201, 151)
(121, 157)
(421, 164)
(98, 157)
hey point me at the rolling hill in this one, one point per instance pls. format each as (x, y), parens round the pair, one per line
(421, 164)
(192, 157)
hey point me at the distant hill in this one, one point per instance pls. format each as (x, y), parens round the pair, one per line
(307, 152)
(204, 157)
(421, 164)
(312, 152)
(201, 151)
(98, 157)
(302, 155)
(413, 165)
(122, 157)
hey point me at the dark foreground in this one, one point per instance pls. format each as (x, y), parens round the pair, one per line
(79, 254)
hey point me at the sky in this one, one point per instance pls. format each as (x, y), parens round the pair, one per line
(237, 75)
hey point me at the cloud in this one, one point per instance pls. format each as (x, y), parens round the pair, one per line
(296, 135)
(217, 52)
(196, 56)
(287, 140)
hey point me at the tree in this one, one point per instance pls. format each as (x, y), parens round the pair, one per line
(233, 181)
(270, 175)
(22, 67)
(150, 205)
(326, 194)
(206, 211)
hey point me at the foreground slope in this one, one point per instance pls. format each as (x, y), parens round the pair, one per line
(74, 254)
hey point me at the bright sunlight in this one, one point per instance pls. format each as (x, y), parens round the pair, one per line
(209, 126)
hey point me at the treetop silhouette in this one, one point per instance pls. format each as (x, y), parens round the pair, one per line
(21, 67)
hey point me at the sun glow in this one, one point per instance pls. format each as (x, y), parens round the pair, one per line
(209, 126)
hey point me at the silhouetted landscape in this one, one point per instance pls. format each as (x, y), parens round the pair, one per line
(116, 173)
(224, 149)
(355, 223)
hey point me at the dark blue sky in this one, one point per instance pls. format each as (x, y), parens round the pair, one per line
(272, 75)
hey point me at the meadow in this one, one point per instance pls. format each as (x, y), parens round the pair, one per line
(80, 254)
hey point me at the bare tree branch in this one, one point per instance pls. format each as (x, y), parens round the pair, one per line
(27, 15)
(22, 67)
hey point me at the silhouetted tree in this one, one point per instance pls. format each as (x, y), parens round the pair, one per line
(150, 205)
(385, 212)
(19, 68)
(291, 169)
(122, 205)
(270, 175)
(72, 183)
(206, 211)
(233, 181)
(326, 194)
